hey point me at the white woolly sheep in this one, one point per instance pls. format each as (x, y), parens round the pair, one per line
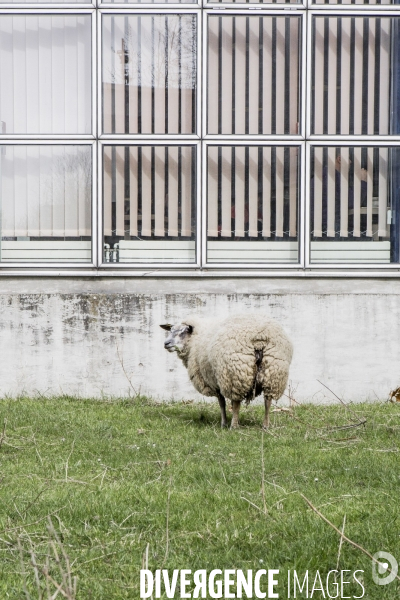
(236, 358)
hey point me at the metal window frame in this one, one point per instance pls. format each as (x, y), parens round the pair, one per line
(300, 201)
(156, 136)
(64, 12)
(7, 266)
(302, 74)
(329, 143)
(201, 140)
(122, 267)
(61, 139)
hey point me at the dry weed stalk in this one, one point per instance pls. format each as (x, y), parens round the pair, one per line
(3, 433)
(129, 379)
(49, 584)
(344, 537)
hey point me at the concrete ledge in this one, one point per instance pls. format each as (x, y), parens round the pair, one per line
(101, 337)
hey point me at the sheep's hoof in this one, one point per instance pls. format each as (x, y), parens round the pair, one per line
(234, 425)
(265, 427)
(224, 425)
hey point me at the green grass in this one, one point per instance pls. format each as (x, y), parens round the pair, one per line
(117, 477)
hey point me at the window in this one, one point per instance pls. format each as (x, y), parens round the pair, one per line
(180, 135)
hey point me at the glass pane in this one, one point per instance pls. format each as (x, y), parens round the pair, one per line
(45, 74)
(150, 1)
(259, 1)
(42, 1)
(352, 66)
(253, 75)
(355, 202)
(252, 203)
(355, 2)
(149, 203)
(45, 203)
(149, 73)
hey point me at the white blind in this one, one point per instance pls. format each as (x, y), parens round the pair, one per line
(45, 74)
(253, 75)
(349, 192)
(45, 191)
(149, 191)
(149, 74)
(252, 192)
(351, 80)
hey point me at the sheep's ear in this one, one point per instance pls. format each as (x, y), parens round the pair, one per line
(166, 326)
(189, 329)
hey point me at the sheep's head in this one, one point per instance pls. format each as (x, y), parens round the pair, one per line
(178, 336)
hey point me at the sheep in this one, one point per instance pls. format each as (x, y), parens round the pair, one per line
(236, 358)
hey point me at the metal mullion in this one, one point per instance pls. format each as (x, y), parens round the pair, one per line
(203, 263)
(302, 208)
(95, 208)
(306, 207)
(204, 72)
(303, 66)
(308, 74)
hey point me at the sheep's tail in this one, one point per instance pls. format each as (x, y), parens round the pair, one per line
(258, 355)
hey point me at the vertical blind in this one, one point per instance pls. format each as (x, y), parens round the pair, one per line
(252, 192)
(45, 74)
(149, 74)
(349, 192)
(351, 83)
(149, 191)
(45, 191)
(253, 82)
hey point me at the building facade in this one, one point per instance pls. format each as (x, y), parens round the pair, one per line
(159, 158)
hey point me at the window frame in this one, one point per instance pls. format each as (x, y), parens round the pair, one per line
(304, 140)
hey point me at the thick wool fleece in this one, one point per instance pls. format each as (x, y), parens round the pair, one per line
(220, 356)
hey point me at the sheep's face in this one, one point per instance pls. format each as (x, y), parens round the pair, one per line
(177, 338)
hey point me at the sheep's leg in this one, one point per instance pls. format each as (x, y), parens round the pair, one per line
(267, 404)
(235, 416)
(222, 405)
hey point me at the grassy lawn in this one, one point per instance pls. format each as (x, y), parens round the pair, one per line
(121, 476)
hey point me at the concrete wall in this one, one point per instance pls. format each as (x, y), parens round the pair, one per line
(100, 337)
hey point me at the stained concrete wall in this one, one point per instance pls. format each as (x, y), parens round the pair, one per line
(100, 337)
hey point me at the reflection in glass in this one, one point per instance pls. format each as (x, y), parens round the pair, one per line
(354, 204)
(149, 74)
(45, 203)
(149, 196)
(252, 204)
(253, 75)
(351, 75)
(45, 74)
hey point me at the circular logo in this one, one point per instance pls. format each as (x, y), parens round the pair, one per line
(380, 570)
